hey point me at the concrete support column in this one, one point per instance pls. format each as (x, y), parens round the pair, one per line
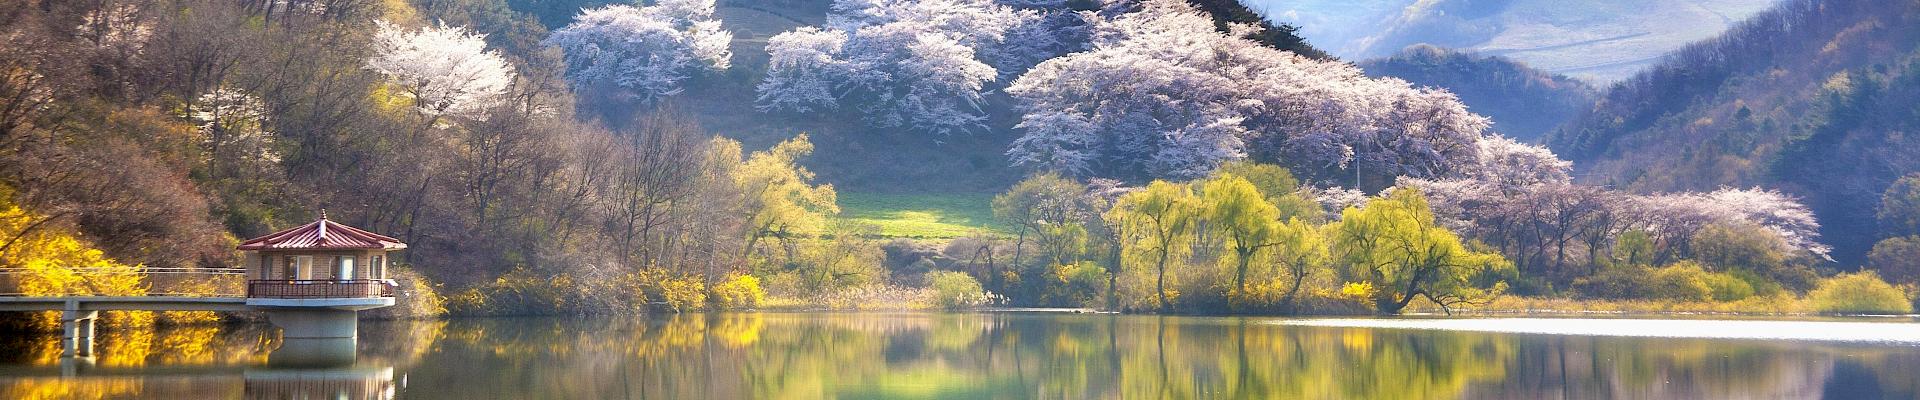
(76, 331)
(317, 323)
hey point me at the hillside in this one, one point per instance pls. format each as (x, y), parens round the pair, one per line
(915, 162)
(707, 155)
(1524, 103)
(1813, 97)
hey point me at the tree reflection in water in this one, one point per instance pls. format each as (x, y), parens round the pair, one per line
(839, 355)
(1096, 356)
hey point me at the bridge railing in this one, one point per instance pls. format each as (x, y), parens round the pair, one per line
(319, 289)
(171, 282)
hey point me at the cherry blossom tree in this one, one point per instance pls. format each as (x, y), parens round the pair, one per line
(1508, 163)
(234, 123)
(1162, 94)
(918, 64)
(446, 69)
(1770, 209)
(649, 50)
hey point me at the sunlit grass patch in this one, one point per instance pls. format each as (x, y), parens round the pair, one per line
(921, 215)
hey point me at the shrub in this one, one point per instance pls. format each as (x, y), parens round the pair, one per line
(1762, 286)
(954, 290)
(666, 289)
(1897, 259)
(1684, 281)
(1727, 287)
(1861, 292)
(1749, 247)
(737, 292)
(1624, 282)
(1077, 284)
(415, 297)
(1742, 246)
(522, 291)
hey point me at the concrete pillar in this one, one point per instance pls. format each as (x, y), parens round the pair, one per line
(76, 331)
(317, 323)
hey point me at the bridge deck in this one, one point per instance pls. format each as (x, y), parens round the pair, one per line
(117, 303)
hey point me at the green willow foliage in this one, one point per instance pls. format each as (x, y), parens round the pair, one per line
(1394, 245)
(1227, 243)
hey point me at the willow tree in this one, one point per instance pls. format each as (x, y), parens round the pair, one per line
(1394, 248)
(1049, 209)
(1302, 251)
(1155, 224)
(1278, 186)
(779, 197)
(1246, 219)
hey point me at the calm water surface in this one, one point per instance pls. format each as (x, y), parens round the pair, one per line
(1009, 355)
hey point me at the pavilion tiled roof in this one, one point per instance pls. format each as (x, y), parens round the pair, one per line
(322, 234)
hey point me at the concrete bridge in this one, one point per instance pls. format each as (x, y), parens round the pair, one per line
(302, 310)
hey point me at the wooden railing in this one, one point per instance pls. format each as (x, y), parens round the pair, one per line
(319, 289)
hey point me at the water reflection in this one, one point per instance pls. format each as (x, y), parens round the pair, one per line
(859, 356)
(192, 362)
(1075, 356)
(344, 383)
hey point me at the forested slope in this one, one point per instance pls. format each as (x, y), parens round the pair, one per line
(1814, 97)
(1524, 103)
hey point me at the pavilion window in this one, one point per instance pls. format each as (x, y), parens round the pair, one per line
(300, 267)
(343, 270)
(378, 268)
(266, 267)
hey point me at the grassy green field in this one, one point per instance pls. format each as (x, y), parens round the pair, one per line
(921, 215)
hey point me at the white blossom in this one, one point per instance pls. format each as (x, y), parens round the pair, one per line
(234, 125)
(115, 26)
(918, 64)
(1168, 96)
(1334, 199)
(446, 69)
(1775, 211)
(1510, 163)
(650, 50)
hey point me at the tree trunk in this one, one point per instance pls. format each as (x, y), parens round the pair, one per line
(1113, 277)
(1160, 281)
(1298, 278)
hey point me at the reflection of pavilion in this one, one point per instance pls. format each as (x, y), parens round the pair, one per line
(212, 381)
(296, 369)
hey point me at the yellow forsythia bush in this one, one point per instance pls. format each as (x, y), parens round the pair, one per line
(738, 292)
(1859, 293)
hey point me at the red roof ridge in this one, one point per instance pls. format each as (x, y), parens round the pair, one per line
(322, 234)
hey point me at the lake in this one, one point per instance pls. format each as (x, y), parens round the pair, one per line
(990, 355)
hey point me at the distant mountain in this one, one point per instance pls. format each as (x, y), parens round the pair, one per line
(1597, 40)
(1524, 103)
(1815, 97)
